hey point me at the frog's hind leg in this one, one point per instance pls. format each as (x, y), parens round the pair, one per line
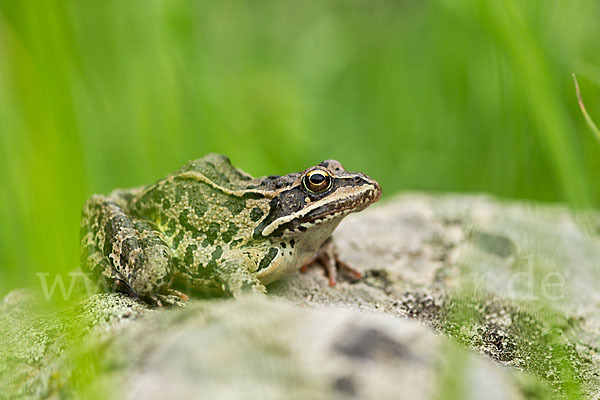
(123, 248)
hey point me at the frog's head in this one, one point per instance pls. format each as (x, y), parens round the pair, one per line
(313, 202)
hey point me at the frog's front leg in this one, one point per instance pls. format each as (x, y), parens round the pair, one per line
(129, 252)
(328, 257)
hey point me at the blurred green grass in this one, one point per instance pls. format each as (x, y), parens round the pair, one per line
(437, 95)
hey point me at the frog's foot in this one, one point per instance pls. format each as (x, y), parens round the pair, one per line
(171, 298)
(327, 256)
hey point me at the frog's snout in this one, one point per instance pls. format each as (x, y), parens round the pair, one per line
(373, 191)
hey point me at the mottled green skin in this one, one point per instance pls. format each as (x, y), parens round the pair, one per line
(211, 227)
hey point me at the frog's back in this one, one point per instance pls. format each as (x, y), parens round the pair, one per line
(203, 212)
(194, 193)
(217, 168)
(202, 209)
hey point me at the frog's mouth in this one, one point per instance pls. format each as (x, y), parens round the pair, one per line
(295, 212)
(341, 208)
(332, 211)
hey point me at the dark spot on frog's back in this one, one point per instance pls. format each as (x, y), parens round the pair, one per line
(178, 238)
(184, 222)
(195, 194)
(235, 205)
(253, 195)
(189, 254)
(196, 200)
(369, 344)
(230, 233)
(212, 233)
(256, 213)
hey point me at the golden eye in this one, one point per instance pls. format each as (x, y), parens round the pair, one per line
(317, 181)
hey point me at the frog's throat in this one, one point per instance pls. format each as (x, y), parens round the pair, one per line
(303, 251)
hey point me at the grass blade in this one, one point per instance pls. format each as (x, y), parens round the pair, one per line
(588, 119)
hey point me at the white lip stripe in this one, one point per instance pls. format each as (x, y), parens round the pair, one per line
(283, 220)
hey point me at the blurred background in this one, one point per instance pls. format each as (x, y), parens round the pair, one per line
(461, 96)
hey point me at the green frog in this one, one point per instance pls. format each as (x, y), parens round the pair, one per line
(212, 228)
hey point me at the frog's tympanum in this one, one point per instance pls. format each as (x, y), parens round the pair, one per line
(210, 227)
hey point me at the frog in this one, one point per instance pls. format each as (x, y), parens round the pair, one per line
(211, 228)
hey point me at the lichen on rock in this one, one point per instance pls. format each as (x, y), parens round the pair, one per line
(452, 305)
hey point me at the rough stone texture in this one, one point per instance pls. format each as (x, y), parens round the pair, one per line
(36, 338)
(452, 305)
(473, 268)
(253, 347)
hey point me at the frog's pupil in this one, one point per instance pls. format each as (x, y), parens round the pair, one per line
(317, 179)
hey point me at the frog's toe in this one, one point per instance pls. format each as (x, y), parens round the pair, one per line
(172, 298)
(180, 295)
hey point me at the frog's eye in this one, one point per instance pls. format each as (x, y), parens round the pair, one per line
(317, 181)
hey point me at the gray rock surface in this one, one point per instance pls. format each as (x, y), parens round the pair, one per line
(463, 297)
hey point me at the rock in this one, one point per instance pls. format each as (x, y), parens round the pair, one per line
(462, 297)
(268, 349)
(514, 281)
(257, 347)
(36, 338)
